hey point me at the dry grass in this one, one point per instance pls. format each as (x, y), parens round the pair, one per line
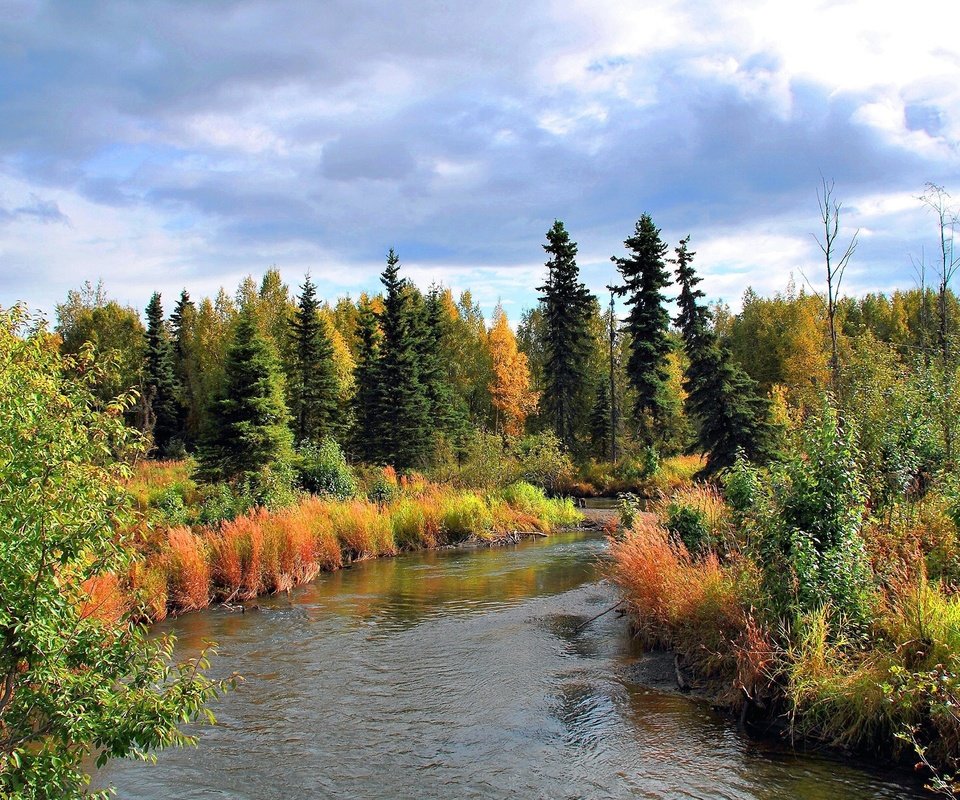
(183, 568)
(697, 607)
(189, 571)
(105, 598)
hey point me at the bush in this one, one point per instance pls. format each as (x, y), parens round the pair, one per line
(543, 462)
(697, 515)
(466, 515)
(170, 507)
(809, 544)
(382, 486)
(322, 469)
(487, 463)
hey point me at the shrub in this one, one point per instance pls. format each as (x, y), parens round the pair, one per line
(630, 508)
(170, 507)
(697, 515)
(322, 469)
(809, 543)
(543, 462)
(466, 515)
(382, 486)
(487, 462)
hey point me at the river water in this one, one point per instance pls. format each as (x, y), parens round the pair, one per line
(460, 674)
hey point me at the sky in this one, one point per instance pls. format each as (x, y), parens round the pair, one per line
(162, 145)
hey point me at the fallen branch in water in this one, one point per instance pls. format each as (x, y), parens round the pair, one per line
(605, 611)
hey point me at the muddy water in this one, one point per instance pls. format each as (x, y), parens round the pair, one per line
(461, 674)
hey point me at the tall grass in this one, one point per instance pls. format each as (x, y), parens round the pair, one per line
(261, 551)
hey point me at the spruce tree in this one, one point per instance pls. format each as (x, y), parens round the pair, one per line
(731, 414)
(600, 421)
(248, 425)
(183, 316)
(160, 383)
(645, 274)
(567, 306)
(402, 406)
(313, 390)
(447, 410)
(366, 434)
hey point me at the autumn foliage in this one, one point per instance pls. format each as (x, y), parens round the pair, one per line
(510, 390)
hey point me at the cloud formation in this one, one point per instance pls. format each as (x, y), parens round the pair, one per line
(162, 144)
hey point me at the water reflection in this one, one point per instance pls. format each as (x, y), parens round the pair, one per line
(461, 674)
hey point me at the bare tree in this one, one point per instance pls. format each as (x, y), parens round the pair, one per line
(938, 200)
(836, 267)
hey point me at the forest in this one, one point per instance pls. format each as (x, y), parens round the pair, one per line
(799, 457)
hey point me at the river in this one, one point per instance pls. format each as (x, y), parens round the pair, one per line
(460, 674)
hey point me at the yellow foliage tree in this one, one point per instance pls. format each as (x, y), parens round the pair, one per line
(510, 389)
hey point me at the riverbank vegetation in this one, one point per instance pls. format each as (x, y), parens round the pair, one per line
(801, 454)
(207, 548)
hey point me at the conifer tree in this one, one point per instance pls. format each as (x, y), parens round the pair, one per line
(600, 421)
(402, 406)
(366, 434)
(183, 317)
(644, 275)
(248, 425)
(160, 383)
(567, 307)
(446, 408)
(731, 414)
(313, 390)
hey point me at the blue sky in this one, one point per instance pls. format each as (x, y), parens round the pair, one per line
(158, 145)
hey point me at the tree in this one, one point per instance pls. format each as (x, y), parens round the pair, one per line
(366, 434)
(446, 408)
(644, 274)
(510, 389)
(182, 320)
(601, 422)
(835, 268)
(937, 199)
(402, 407)
(314, 386)
(567, 307)
(159, 380)
(115, 331)
(72, 681)
(732, 416)
(248, 422)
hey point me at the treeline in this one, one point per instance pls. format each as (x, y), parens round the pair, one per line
(408, 378)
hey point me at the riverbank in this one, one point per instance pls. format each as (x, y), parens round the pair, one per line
(696, 583)
(184, 568)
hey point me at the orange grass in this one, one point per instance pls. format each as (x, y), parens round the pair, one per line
(695, 607)
(105, 598)
(189, 575)
(183, 569)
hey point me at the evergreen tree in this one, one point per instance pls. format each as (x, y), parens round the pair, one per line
(366, 434)
(644, 274)
(600, 421)
(183, 317)
(313, 390)
(159, 381)
(731, 414)
(402, 406)
(248, 421)
(447, 409)
(567, 306)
